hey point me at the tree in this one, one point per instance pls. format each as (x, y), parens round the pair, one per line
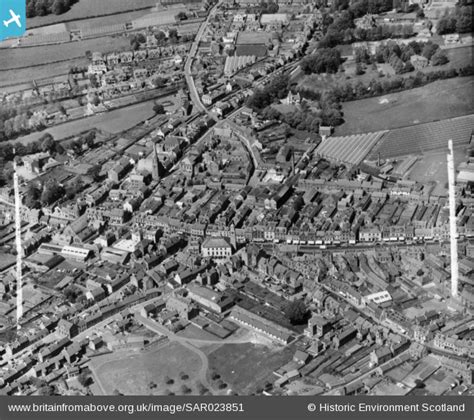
(52, 192)
(46, 390)
(429, 49)
(47, 143)
(32, 196)
(325, 60)
(71, 294)
(296, 311)
(159, 109)
(181, 16)
(185, 389)
(41, 7)
(439, 58)
(83, 379)
(58, 7)
(359, 69)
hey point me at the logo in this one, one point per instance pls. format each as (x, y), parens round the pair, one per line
(12, 18)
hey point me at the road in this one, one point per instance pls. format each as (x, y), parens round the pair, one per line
(196, 100)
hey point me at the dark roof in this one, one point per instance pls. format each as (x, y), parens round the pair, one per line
(258, 50)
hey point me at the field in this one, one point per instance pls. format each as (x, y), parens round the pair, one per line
(433, 168)
(438, 100)
(21, 78)
(131, 373)
(89, 8)
(246, 367)
(113, 122)
(427, 138)
(15, 58)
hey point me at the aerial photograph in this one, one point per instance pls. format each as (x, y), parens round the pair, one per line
(237, 198)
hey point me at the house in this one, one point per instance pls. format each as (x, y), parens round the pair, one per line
(379, 356)
(418, 61)
(182, 305)
(301, 357)
(67, 328)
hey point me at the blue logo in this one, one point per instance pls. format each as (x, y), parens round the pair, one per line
(12, 18)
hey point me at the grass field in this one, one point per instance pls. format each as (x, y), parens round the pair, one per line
(16, 78)
(131, 373)
(88, 8)
(14, 58)
(438, 100)
(432, 167)
(246, 367)
(113, 122)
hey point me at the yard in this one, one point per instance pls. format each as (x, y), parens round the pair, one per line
(113, 122)
(438, 100)
(246, 367)
(433, 167)
(147, 372)
(90, 8)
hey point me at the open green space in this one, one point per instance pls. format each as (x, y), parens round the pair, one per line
(113, 122)
(90, 8)
(246, 367)
(15, 58)
(146, 372)
(438, 100)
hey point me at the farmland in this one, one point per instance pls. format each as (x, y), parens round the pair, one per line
(422, 138)
(437, 100)
(246, 367)
(113, 122)
(90, 8)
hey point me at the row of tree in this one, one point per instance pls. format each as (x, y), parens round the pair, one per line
(377, 87)
(457, 20)
(342, 30)
(47, 7)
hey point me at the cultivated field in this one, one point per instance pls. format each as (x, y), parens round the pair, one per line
(132, 373)
(89, 8)
(113, 122)
(246, 367)
(422, 139)
(438, 100)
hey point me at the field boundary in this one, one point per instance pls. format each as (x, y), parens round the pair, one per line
(138, 9)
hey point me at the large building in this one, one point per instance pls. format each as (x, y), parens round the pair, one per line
(216, 248)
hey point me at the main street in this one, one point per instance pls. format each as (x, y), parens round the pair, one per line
(196, 100)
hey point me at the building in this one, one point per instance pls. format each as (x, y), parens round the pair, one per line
(214, 301)
(261, 325)
(418, 61)
(216, 248)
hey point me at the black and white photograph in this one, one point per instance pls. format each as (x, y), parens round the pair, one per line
(206, 200)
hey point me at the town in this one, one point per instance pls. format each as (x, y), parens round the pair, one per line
(236, 197)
